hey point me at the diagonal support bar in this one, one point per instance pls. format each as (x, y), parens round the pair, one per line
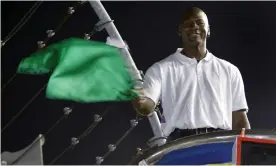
(114, 34)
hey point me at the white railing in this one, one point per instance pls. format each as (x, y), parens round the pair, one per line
(114, 34)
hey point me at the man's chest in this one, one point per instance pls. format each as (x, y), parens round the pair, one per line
(190, 82)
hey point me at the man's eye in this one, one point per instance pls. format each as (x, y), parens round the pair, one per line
(200, 23)
(187, 25)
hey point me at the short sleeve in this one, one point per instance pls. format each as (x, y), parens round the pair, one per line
(238, 93)
(152, 83)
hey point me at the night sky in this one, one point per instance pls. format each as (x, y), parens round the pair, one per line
(242, 33)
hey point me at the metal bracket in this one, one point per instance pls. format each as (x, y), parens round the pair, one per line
(102, 24)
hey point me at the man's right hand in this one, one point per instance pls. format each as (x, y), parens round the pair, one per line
(143, 105)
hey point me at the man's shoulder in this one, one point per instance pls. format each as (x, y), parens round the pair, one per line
(168, 61)
(164, 62)
(225, 64)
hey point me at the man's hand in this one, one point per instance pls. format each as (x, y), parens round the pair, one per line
(143, 105)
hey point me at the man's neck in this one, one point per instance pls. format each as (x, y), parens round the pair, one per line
(197, 52)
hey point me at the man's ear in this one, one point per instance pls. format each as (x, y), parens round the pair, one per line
(209, 32)
(179, 30)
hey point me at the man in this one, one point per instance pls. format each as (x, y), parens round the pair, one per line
(200, 93)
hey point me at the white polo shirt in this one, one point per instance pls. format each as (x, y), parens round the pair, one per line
(195, 95)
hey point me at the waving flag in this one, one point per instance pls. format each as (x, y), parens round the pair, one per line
(82, 71)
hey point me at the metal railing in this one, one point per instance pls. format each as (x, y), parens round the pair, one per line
(114, 34)
(153, 155)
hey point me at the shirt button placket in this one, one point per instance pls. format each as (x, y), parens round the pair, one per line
(199, 81)
(199, 71)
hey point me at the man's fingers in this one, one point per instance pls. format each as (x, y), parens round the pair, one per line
(137, 87)
(140, 92)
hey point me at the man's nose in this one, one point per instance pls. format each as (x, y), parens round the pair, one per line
(195, 25)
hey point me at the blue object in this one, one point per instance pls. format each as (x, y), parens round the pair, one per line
(215, 153)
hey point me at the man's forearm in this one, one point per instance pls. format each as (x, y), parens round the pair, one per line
(240, 120)
(241, 124)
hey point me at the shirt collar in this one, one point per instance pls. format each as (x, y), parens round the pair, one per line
(184, 58)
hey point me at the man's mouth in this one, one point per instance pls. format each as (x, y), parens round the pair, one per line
(194, 34)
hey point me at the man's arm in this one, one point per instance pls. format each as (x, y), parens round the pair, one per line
(240, 108)
(240, 120)
(150, 92)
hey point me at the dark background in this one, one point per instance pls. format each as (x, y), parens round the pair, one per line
(242, 33)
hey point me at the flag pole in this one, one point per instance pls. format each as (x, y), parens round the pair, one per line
(114, 34)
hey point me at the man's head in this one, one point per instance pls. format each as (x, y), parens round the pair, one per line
(194, 27)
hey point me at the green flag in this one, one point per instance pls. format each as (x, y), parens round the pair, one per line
(82, 71)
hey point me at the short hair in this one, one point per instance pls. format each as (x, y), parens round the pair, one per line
(189, 12)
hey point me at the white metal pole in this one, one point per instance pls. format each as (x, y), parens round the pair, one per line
(114, 34)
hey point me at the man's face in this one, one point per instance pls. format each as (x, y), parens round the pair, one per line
(194, 28)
